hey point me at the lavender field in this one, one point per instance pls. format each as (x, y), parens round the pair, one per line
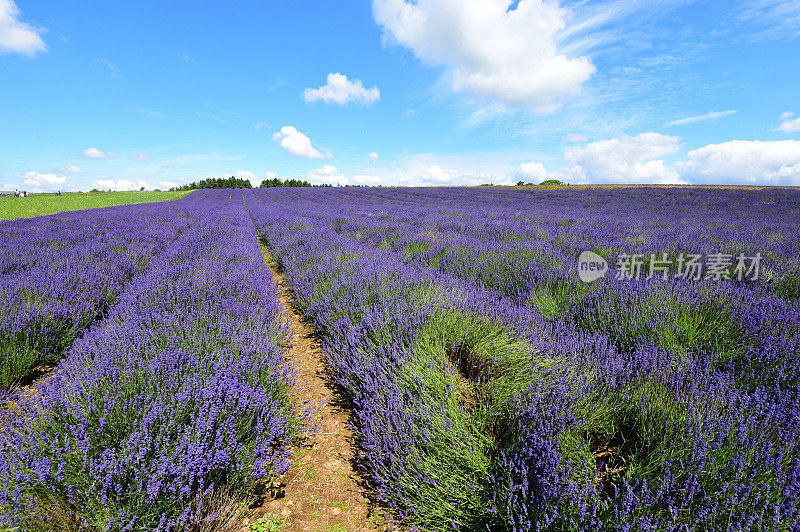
(495, 382)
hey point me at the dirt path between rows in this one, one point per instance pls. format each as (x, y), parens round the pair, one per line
(321, 491)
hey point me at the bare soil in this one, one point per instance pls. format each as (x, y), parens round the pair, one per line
(27, 386)
(610, 464)
(322, 490)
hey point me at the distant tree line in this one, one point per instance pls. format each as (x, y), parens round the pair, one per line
(236, 182)
(217, 182)
(276, 182)
(545, 183)
(552, 183)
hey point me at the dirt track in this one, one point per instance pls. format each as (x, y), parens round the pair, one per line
(321, 491)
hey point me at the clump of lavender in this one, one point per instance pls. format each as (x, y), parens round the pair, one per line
(179, 395)
(61, 273)
(659, 404)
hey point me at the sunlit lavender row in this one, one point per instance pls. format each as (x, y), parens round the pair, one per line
(495, 389)
(172, 405)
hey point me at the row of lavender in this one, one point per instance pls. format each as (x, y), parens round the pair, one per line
(745, 324)
(172, 406)
(59, 274)
(515, 244)
(653, 404)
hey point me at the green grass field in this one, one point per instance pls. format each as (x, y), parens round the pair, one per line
(41, 204)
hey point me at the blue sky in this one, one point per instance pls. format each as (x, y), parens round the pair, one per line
(432, 92)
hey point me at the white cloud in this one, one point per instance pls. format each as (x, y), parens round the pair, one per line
(327, 174)
(70, 170)
(367, 179)
(438, 174)
(423, 169)
(297, 143)
(511, 56)
(775, 19)
(261, 124)
(40, 180)
(147, 112)
(788, 125)
(623, 159)
(16, 36)
(441, 175)
(168, 184)
(531, 172)
(244, 174)
(711, 115)
(751, 162)
(212, 116)
(94, 153)
(120, 184)
(341, 90)
(111, 66)
(140, 157)
(374, 157)
(437, 169)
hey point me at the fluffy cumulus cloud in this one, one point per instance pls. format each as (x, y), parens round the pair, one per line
(490, 50)
(121, 184)
(367, 179)
(16, 36)
(441, 175)
(39, 180)
(432, 169)
(437, 174)
(373, 157)
(531, 172)
(638, 159)
(244, 174)
(94, 153)
(748, 162)
(327, 174)
(419, 172)
(623, 159)
(340, 90)
(297, 143)
(789, 124)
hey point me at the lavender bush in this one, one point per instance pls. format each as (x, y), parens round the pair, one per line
(644, 405)
(61, 273)
(180, 395)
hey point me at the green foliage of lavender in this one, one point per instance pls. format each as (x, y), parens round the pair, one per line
(652, 404)
(59, 274)
(491, 388)
(178, 398)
